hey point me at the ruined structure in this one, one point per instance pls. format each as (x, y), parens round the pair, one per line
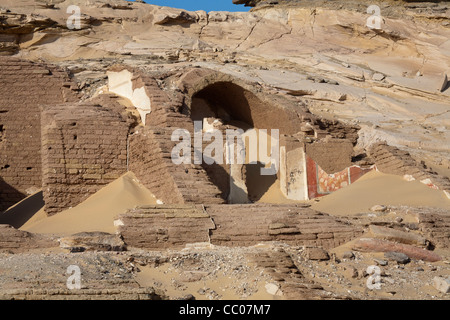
(24, 88)
(312, 98)
(83, 146)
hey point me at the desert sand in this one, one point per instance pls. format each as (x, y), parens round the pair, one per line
(379, 188)
(97, 213)
(28, 210)
(224, 285)
(372, 189)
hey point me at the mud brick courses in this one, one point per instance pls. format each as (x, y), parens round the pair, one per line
(151, 162)
(250, 224)
(112, 293)
(162, 227)
(392, 160)
(152, 167)
(435, 224)
(84, 147)
(151, 153)
(342, 151)
(13, 240)
(24, 86)
(232, 225)
(280, 266)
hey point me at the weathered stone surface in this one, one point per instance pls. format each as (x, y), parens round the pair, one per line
(316, 254)
(397, 235)
(378, 245)
(378, 208)
(347, 255)
(397, 256)
(380, 262)
(442, 284)
(174, 17)
(13, 240)
(92, 241)
(378, 77)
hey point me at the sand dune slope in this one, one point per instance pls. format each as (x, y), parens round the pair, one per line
(24, 211)
(378, 188)
(97, 213)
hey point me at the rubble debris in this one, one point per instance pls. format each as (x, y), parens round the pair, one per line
(92, 241)
(377, 245)
(399, 257)
(442, 284)
(397, 235)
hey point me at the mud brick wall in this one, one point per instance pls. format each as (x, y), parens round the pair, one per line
(159, 227)
(163, 227)
(152, 167)
(24, 86)
(332, 155)
(84, 147)
(392, 160)
(13, 240)
(150, 157)
(247, 225)
(435, 224)
(151, 161)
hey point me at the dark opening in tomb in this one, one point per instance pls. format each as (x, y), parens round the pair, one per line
(225, 105)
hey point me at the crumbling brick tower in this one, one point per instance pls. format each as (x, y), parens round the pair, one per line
(84, 147)
(51, 141)
(24, 86)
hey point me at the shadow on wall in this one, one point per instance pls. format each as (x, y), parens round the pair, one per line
(18, 214)
(228, 101)
(219, 177)
(9, 195)
(257, 184)
(236, 108)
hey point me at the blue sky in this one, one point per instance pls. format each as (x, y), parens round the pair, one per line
(207, 5)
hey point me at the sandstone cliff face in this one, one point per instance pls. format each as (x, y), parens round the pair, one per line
(322, 53)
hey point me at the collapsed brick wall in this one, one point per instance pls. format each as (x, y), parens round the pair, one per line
(247, 225)
(151, 148)
(84, 147)
(152, 167)
(151, 161)
(392, 160)
(435, 224)
(173, 109)
(163, 227)
(174, 226)
(23, 87)
(13, 240)
(340, 149)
